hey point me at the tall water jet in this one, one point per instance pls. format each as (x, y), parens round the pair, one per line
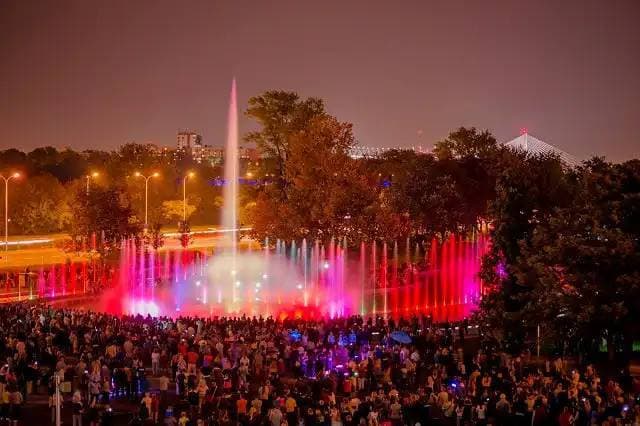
(230, 195)
(230, 192)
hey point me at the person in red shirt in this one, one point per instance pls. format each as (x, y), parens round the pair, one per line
(346, 386)
(183, 348)
(155, 407)
(241, 406)
(192, 360)
(566, 418)
(208, 360)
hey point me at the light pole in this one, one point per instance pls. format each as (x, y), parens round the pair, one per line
(146, 194)
(88, 178)
(57, 399)
(184, 195)
(6, 207)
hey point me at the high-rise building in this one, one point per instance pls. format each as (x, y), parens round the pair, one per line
(190, 146)
(213, 155)
(247, 153)
(189, 141)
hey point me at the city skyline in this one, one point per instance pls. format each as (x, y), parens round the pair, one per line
(89, 76)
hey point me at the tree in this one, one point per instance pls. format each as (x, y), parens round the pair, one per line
(528, 191)
(154, 236)
(473, 160)
(428, 197)
(466, 143)
(70, 165)
(327, 193)
(44, 159)
(105, 210)
(39, 206)
(185, 234)
(173, 210)
(12, 159)
(135, 156)
(280, 115)
(583, 264)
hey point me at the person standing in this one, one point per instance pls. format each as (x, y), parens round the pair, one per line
(192, 361)
(106, 391)
(202, 393)
(145, 406)
(241, 408)
(155, 408)
(183, 420)
(5, 407)
(77, 409)
(155, 362)
(481, 414)
(275, 416)
(164, 387)
(16, 399)
(94, 386)
(395, 411)
(291, 407)
(264, 393)
(54, 403)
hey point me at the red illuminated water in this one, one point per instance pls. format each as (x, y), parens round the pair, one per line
(439, 278)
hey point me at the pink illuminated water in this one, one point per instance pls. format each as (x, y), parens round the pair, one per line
(284, 278)
(231, 168)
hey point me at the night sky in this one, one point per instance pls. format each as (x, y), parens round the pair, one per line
(96, 74)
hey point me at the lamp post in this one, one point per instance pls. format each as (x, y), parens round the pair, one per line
(184, 195)
(146, 194)
(88, 178)
(6, 207)
(57, 399)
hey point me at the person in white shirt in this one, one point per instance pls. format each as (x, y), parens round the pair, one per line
(155, 362)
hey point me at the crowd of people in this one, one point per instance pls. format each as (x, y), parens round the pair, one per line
(255, 371)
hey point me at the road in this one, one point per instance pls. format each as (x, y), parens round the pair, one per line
(34, 257)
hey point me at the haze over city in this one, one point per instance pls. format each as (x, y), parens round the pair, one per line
(97, 75)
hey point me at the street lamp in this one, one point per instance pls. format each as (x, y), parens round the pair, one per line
(146, 194)
(6, 207)
(184, 195)
(88, 178)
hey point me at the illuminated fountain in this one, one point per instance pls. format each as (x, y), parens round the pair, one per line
(294, 278)
(283, 278)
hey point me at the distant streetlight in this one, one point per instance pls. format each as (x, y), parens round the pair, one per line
(6, 207)
(146, 194)
(184, 195)
(88, 178)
